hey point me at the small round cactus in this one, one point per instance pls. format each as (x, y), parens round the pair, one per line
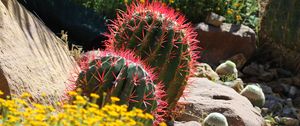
(227, 71)
(255, 95)
(215, 119)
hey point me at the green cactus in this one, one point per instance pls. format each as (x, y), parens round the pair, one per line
(227, 71)
(215, 119)
(162, 39)
(254, 94)
(118, 75)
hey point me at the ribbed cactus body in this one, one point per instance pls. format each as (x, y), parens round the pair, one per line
(118, 75)
(162, 39)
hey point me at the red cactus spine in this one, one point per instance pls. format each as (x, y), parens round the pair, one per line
(121, 75)
(162, 39)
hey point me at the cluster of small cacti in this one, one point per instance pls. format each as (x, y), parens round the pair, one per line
(146, 34)
(227, 71)
(161, 38)
(229, 76)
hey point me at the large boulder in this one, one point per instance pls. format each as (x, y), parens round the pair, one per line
(205, 97)
(221, 43)
(32, 58)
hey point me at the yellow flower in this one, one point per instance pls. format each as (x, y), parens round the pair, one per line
(238, 17)
(229, 11)
(93, 95)
(149, 116)
(43, 94)
(80, 100)
(237, 4)
(72, 93)
(171, 1)
(114, 99)
(142, 1)
(126, 1)
(162, 124)
(1, 93)
(93, 105)
(76, 113)
(25, 95)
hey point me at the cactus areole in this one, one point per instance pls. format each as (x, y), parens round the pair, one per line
(120, 75)
(162, 39)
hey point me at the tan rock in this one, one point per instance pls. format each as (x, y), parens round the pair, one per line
(237, 85)
(32, 58)
(204, 70)
(206, 97)
(214, 19)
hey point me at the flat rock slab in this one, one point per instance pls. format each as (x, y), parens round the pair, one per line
(205, 96)
(32, 58)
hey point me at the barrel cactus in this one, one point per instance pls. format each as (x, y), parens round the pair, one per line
(161, 38)
(120, 75)
(215, 119)
(254, 94)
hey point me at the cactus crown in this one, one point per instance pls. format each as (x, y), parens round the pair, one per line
(161, 38)
(230, 63)
(215, 119)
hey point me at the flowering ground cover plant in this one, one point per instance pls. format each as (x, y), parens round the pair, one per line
(80, 112)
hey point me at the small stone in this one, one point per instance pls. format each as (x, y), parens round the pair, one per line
(284, 73)
(266, 89)
(264, 111)
(287, 111)
(214, 19)
(277, 119)
(292, 92)
(274, 104)
(295, 80)
(253, 69)
(287, 121)
(239, 59)
(296, 102)
(237, 85)
(267, 76)
(280, 88)
(258, 109)
(204, 70)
